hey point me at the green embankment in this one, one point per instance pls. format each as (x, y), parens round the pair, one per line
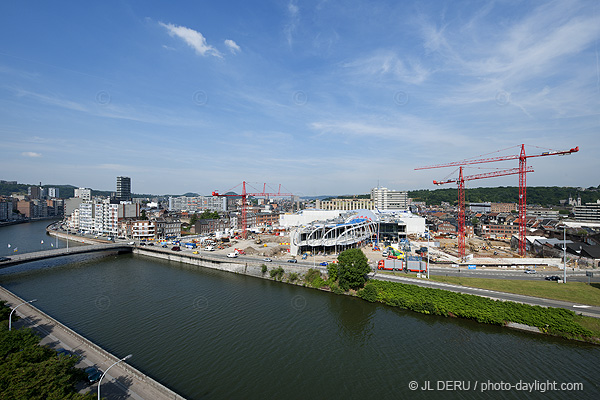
(554, 321)
(575, 292)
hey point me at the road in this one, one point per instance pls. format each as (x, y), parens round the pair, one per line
(591, 311)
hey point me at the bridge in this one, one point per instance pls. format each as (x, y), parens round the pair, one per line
(43, 255)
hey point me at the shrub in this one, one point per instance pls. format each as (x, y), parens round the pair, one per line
(277, 273)
(264, 268)
(293, 276)
(369, 293)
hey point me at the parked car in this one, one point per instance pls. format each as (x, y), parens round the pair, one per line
(5, 258)
(93, 373)
(176, 248)
(292, 260)
(164, 246)
(553, 278)
(131, 243)
(195, 252)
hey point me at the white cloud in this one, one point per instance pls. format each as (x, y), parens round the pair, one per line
(387, 64)
(233, 46)
(193, 38)
(30, 154)
(290, 28)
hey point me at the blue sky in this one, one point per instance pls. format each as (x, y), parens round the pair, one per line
(324, 97)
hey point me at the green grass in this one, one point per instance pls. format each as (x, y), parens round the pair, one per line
(575, 292)
(591, 323)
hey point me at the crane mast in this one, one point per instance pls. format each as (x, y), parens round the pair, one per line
(521, 171)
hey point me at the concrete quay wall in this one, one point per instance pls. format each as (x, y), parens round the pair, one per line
(150, 388)
(251, 268)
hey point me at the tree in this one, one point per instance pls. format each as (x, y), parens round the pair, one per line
(352, 269)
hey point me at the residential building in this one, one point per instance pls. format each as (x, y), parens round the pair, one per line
(483, 208)
(53, 193)
(83, 193)
(6, 210)
(123, 188)
(503, 207)
(590, 212)
(166, 227)
(197, 203)
(345, 204)
(385, 199)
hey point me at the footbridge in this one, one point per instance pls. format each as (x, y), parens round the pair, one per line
(15, 259)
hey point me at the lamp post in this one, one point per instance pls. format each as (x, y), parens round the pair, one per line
(565, 254)
(428, 237)
(100, 381)
(13, 310)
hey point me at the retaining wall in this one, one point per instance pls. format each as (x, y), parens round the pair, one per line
(152, 387)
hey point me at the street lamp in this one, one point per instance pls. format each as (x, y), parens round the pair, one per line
(100, 381)
(13, 310)
(428, 237)
(565, 254)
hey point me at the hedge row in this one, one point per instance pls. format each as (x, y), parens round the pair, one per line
(556, 321)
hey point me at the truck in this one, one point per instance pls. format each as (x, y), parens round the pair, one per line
(415, 264)
(391, 265)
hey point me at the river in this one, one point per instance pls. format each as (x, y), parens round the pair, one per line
(215, 335)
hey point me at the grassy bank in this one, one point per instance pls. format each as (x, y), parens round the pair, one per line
(554, 321)
(576, 292)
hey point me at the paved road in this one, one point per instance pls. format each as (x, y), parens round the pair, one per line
(591, 311)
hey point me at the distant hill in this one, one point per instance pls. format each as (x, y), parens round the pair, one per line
(542, 195)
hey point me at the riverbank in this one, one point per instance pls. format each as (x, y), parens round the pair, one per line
(128, 381)
(532, 318)
(518, 315)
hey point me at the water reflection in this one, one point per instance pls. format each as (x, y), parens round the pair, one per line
(354, 317)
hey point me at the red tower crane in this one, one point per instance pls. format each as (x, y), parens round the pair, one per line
(461, 197)
(244, 197)
(522, 157)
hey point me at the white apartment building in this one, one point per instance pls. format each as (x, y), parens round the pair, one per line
(345, 204)
(198, 203)
(385, 199)
(102, 217)
(83, 193)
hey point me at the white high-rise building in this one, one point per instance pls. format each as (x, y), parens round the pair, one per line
(83, 193)
(385, 199)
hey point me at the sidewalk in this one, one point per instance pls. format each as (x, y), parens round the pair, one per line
(122, 382)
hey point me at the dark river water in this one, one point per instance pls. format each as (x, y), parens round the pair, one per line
(216, 335)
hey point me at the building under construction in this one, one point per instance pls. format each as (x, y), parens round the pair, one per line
(354, 229)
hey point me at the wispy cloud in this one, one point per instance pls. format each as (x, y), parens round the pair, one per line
(294, 20)
(233, 46)
(387, 65)
(192, 38)
(30, 154)
(51, 100)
